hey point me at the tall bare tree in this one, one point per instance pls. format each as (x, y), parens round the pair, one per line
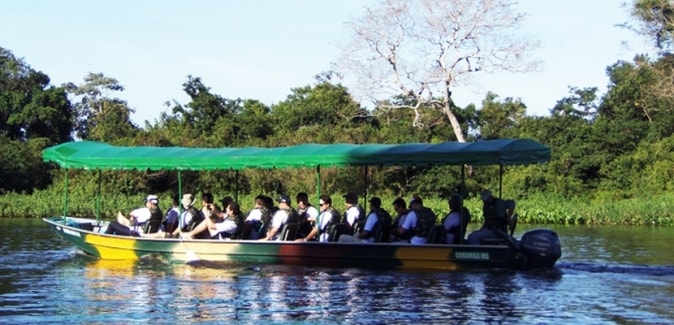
(422, 49)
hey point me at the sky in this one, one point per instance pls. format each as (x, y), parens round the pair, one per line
(262, 49)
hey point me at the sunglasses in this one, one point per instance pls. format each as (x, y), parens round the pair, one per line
(322, 204)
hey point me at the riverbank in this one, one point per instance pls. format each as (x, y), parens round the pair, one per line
(539, 209)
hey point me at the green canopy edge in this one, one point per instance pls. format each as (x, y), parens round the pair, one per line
(98, 155)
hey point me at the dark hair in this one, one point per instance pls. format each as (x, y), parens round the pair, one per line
(302, 197)
(326, 199)
(400, 202)
(455, 202)
(234, 207)
(207, 197)
(226, 201)
(268, 202)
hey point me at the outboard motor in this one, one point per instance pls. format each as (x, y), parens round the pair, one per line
(541, 247)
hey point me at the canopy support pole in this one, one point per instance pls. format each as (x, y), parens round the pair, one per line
(180, 191)
(318, 182)
(463, 190)
(367, 186)
(500, 181)
(236, 188)
(65, 197)
(98, 198)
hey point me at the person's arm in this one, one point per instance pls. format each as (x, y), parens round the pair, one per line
(310, 236)
(270, 234)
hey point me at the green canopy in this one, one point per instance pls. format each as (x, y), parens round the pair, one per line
(98, 155)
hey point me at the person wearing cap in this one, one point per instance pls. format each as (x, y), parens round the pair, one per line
(138, 218)
(354, 213)
(280, 218)
(190, 217)
(377, 219)
(497, 218)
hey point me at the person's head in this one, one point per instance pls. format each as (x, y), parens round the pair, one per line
(351, 198)
(455, 201)
(283, 201)
(175, 200)
(207, 198)
(259, 201)
(187, 201)
(268, 202)
(416, 202)
(152, 201)
(233, 209)
(302, 200)
(486, 196)
(225, 201)
(399, 205)
(375, 203)
(324, 201)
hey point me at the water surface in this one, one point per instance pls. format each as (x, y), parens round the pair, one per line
(607, 275)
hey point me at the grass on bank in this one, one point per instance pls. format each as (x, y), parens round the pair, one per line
(541, 209)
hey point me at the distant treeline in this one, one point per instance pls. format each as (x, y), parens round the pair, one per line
(612, 156)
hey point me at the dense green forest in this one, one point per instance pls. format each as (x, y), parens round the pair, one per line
(612, 153)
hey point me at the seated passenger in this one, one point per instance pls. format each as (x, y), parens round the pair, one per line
(400, 207)
(170, 222)
(190, 217)
(307, 214)
(220, 225)
(378, 218)
(257, 219)
(497, 218)
(418, 222)
(328, 217)
(133, 225)
(354, 213)
(456, 221)
(280, 218)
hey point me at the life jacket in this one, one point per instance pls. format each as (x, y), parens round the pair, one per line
(171, 220)
(154, 223)
(360, 218)
(384, 221)
(426, 219)
(197, 218)
(293, 217)
(495, 215)
(334, 219)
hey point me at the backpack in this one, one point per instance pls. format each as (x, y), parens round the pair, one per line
(155, 221)
(383, 224)
(197, 218)
(425, 221)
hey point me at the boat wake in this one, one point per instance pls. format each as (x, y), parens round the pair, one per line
(652, 270)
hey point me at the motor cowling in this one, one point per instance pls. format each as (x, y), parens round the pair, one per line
(542, 248)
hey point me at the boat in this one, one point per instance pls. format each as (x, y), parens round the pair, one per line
(537, 248)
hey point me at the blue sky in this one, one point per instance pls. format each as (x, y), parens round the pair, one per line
(261, 49)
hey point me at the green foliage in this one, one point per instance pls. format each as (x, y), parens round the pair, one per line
(29, 107)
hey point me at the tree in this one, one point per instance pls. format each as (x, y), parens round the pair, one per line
(100, 117)
(655, 19)
(29, 107)
(424, 49)
(496, 117)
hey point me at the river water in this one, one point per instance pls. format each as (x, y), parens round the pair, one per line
(607, 275)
